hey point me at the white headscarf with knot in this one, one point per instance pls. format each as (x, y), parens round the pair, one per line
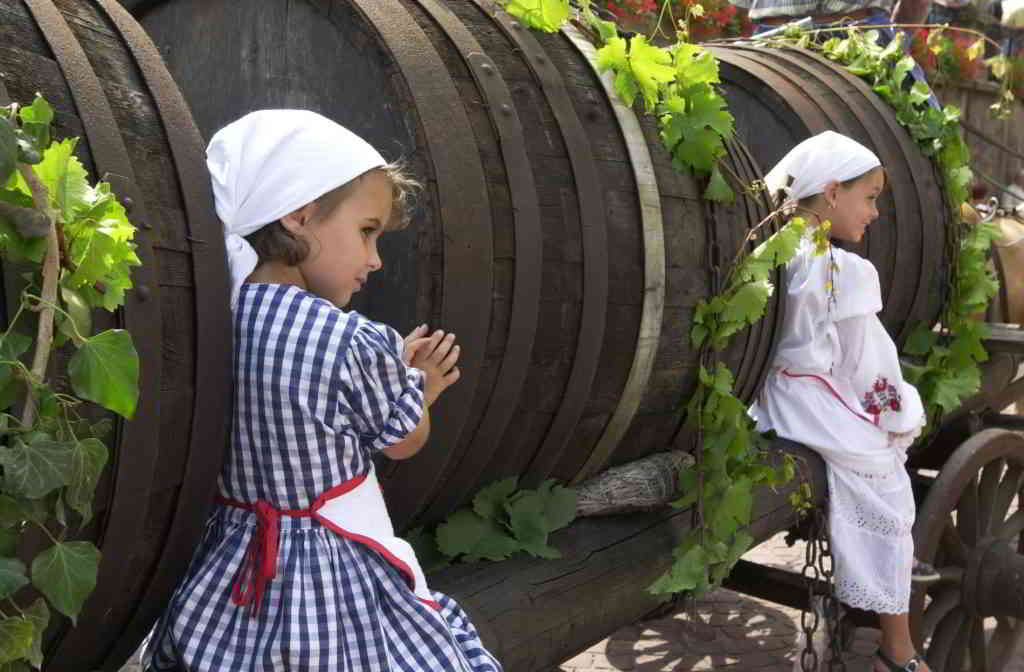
(817, 161)
(272, 162)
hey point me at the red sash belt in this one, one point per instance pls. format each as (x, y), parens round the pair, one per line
(260, 564)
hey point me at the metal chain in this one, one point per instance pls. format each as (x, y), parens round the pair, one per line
(818, 566)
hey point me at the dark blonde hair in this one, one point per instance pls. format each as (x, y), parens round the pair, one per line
(275, 243)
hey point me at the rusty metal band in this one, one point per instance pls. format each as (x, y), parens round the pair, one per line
(759, 205)
(211, 407)
(465, 216)
(595, 246)
(748, 370)
(653, 307)
(522, 329)
(882, 128)
(137, 451)
(932, 246)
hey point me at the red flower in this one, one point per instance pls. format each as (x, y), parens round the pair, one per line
(881, 384)
(874, 409)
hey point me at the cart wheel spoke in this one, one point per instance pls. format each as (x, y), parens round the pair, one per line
(942, 641)
(988, 490)
(1006, 642)
(979, 660)
(953, 545)
(940, 606)
(967, 518)
(1009, 489)
(1012, 526)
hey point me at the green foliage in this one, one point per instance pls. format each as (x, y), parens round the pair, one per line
(546, 15)
(677, 84)
(501, 522)
(943, 365)
(732, 461)
(52, 458)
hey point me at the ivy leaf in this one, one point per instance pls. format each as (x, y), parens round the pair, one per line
(16, 635)
(80, 324)
(66, 574)
(490, 501)
(12, 576)
(105, 370)
(13, 346)
(35, 467)
(461, 532)
(39, 614)
(9, 540)
(88, 459)
(546, 15)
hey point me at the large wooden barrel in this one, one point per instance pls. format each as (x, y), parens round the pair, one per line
(106, 81)
(555, 238)
(781, 96)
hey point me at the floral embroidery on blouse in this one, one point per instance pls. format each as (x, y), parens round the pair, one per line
(882, 397)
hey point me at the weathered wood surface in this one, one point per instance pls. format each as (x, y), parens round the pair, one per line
(569, 363)
(533, 614)
(974, 100)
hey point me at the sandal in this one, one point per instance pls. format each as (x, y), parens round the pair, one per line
(915, 663)
(922, 572)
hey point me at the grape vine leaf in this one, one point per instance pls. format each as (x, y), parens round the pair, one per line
(35, 121)
(428, 554)
(64, 177)
(489, 502)
(461, 532)
(105, 370)
(546, 15)
(748, 303)
(66, 574)
(718, 189)
(687, 573)
(651, 66)
(560, 506)
(695, 65)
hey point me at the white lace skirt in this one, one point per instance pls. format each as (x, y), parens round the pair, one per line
(871, 504)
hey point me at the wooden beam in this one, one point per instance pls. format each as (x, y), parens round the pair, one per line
(1008, 338)
(534, 614)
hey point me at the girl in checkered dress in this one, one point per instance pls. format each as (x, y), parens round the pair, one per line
(299, 568)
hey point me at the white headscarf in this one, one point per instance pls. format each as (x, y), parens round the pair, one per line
(272, 162)
(817, 161)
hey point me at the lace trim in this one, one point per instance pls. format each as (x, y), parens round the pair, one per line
(859, 597)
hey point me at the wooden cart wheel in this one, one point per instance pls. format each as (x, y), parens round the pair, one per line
(970, 527)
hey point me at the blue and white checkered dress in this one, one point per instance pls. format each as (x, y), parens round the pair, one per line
(318, 390)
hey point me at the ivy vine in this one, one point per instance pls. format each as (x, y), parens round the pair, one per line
(75, 243)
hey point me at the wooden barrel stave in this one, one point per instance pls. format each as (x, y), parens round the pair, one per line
(549, 379)
(110, 106)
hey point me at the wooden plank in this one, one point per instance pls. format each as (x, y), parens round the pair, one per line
(1008, 338)
(533, 614)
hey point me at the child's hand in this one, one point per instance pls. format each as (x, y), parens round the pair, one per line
(415, 335)
(435, 355)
